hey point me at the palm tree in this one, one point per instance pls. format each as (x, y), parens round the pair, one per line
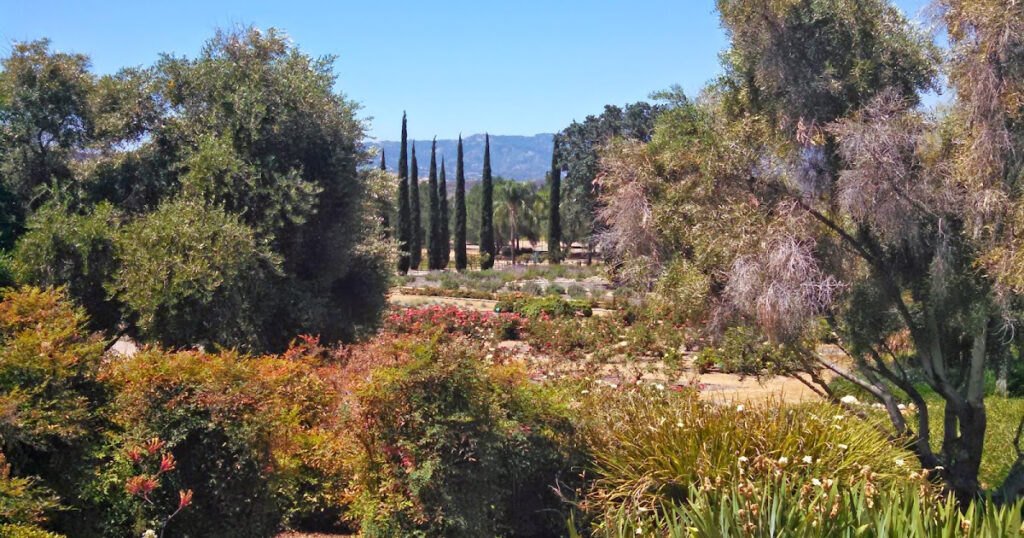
(514, 198)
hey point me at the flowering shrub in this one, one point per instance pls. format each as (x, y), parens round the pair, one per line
(152, 462)
(454, 320)
(257, 438)
(454, 446)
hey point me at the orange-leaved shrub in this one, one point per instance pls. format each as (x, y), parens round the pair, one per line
(50, 401)
(259, 440)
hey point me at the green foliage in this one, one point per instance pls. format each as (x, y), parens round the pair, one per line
(404, 215)
(554, 289)
(25, 531)
(744, 350)
(415, 227)
(23, 501)
(554, 236)
(64, 248)
(855, 50)
(487, 247)
(434, 213)
(460, 212)
(444, 241)
(784, 509)
(577, 151)
(646, 458)
(457, 447)
(551, 306)
(44, 116)
(194, 274)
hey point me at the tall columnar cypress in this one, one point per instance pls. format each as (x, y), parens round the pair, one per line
(415, 228)
(404, 217)
(434, 218)
(487, 211)
(385, 207)
(555, 200)
(460, 212)
(442, 195)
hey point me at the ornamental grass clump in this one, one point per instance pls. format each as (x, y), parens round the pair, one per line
(656, 449)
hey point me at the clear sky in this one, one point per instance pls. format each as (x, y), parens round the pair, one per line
(513, 67)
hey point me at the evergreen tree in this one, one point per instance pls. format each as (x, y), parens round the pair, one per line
(554, 201)
(404, 216)
(434, 218)
(487, 252)
(442, 194)
(460, 212)
(385, 209)
(416, 228)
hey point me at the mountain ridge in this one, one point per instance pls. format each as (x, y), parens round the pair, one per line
(522, 158)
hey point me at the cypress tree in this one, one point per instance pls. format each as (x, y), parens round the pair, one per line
(385, 209)
(442, 195)
(404, 217)
(434, 218)
(415, 228)
(487, 210)
(460, 212)
(554, 217)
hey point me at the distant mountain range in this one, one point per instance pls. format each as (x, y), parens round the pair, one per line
(523, 158)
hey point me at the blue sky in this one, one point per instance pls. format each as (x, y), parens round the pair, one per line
(514, 67)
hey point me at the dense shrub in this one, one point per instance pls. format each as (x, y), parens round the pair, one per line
(194, 275)
(257, 439)
(50, 396)
(63, 248)
(454, 446)
(25, 531)
(23, 501)
(551, 306)
(744, 350)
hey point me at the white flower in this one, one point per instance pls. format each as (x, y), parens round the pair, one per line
(843, 447)
(149, 534)
(808, 459)
(489, 356)
(659, 386)
(739, 408)
(899, 462)
(849, 399)
(743, 459)
(901, 407)
(816, 482)
(679, 424)
(584, 391)
(639, 530)
(783, 460)
(839, 417)
(624, 343)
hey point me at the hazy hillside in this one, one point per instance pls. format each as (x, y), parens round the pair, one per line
(525, 158)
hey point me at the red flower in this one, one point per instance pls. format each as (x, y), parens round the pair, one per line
(184, 498)
(167, 463)
(154, 446)
(140, 485)
(134, 455)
